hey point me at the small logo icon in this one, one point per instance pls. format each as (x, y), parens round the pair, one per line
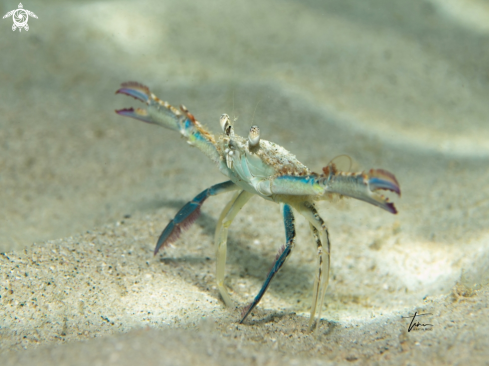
(20, 17)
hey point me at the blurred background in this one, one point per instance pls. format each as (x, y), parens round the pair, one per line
(371, 79)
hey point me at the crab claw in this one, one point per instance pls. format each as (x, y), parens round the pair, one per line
(361, 186)
(382, 179)
(135, 90)
(138, 113)
(157, 111)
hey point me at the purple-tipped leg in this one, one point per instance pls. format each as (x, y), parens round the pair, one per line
(189, 213)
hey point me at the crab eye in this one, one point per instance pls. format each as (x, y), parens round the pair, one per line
(254, 136)
(225, 124)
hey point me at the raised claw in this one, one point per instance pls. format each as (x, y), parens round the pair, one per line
(361, 186)
(163, 114)
(158, 112)
(135, 90)
(138, 113)
(382, 179)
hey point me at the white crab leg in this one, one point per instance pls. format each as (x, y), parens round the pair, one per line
(225, 219)
(321, 236)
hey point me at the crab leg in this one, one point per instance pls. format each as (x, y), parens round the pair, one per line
(321, 235)
(225, 219)
(161, 113)
(280, 259)
(189, 213)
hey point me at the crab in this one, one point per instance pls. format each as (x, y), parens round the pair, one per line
(255, 166)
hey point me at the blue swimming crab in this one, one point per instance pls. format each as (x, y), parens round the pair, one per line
(259, 167)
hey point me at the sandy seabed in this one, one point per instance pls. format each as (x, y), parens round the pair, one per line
(85, 193)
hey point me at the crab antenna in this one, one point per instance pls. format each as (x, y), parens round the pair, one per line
(254, 136)
(256, 106)
(234, 116)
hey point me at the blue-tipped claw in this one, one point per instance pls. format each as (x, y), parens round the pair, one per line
(138, 113)
(135, 90)
(382, 179)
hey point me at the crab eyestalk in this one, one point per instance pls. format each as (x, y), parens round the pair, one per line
(226, 125)
(254, 136)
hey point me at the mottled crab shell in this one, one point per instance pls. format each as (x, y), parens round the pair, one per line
(254, 169)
